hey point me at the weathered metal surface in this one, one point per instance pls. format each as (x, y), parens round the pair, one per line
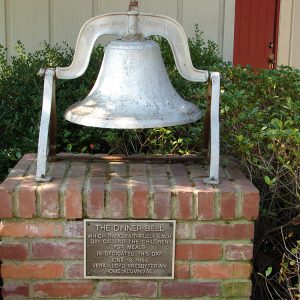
(132, 26)
(132, 90)
(215, 130)
(48, 104)
(129, 249)
(189, 158)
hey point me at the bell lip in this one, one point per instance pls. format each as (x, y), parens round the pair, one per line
(130, 123)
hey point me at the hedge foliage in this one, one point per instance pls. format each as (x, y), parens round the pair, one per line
(260, 119)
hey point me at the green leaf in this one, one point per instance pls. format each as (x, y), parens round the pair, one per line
(294, 250)
(268, 271)
(267, 180)
(240, 138)
(69, 147)
(18, 154)
(292, 262)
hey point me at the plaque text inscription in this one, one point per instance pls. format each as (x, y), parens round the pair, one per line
(129, 249)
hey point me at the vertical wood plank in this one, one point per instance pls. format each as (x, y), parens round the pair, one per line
(179, 10)
(206, 14)
(295, 59)
(28, 22)
(68, 17)
(221, 26)
(228, 33)
(2, 23)
(285, 32)
(108, 6)
(166, 7)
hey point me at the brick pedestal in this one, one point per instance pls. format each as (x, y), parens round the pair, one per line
(42, 228)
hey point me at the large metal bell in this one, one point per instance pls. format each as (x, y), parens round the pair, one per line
(132, 91)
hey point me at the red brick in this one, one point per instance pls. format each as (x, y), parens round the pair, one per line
(33, 271)
(140, 204)
(226, 185)
(73, 191)
(95, 198)
(10, 184)
(77, 169)
(117, 204)
(15, 291)
(22, 165)
(197, 170)
(243, 184)
(178, 170)
(239, 252)
(132, 288)
(98, 169)
(140, 197)
(175, 289)
(235, 172)
(198, 251)
(228, 205)
(32, 229)
(49, 199)
(183, 183)
(250, 208)
(206, 205)
(14, 251)
(162, 195)
(224, 231)
(73, 199)
(59, 168)
(158, 170)
(206, 200)
(118, 198)
(184, 205)
(57, 250)
(118, 169)
(26, 199)
(64, 289)
(75, 271)
(74, 229)
(183, 231)
(182, 271)
(162, 205)
(6, 203)
(161, 184)
(222, 271)
(137, 169)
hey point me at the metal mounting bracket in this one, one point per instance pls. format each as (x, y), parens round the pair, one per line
(214, 91)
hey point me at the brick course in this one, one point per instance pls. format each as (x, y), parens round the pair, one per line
(42, 228)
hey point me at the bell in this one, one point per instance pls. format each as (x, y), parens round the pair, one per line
(132, 90)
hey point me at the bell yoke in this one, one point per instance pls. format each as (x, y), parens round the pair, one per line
(132, 89)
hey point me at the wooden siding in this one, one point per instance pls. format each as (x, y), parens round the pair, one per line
(55, 21)
(289, 38)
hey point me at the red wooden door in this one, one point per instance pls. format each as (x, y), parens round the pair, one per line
(255, 33)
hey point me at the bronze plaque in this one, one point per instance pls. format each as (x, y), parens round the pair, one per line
(129, 249)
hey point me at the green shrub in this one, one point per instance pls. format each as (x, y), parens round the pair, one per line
(260, 124)
(262, 110)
